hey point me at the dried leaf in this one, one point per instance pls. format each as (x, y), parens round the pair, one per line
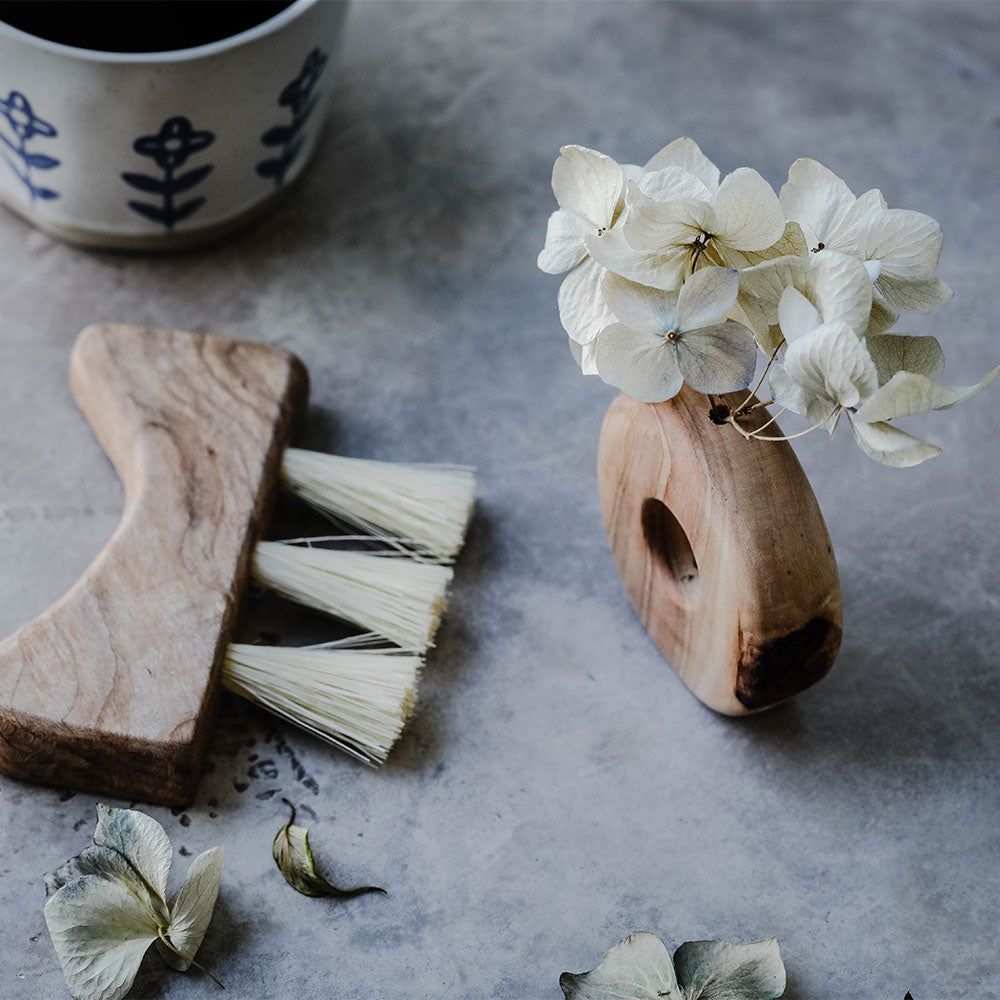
(294, 858)
(106, 906)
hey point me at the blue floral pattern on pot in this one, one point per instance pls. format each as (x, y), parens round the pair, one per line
(25, 125)
(170, 149)
(299, 96)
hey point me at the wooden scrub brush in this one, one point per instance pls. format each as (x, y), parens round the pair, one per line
(114, 688)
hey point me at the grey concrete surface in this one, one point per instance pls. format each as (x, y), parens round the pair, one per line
(559, 787)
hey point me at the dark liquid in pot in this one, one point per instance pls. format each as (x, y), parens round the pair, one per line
(137, 25)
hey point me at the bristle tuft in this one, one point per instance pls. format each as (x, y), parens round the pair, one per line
(426, 506)
(401, 599)
(358, 700)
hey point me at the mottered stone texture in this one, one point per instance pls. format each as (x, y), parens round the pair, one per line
(559, 787)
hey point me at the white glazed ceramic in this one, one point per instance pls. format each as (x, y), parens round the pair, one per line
(165, 149)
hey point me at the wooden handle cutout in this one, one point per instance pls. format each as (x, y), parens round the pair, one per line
(113, 688)
(722, 549)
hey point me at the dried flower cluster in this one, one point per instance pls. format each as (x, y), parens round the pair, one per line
(675, 276)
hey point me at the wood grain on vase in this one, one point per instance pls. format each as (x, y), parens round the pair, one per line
(722, 549)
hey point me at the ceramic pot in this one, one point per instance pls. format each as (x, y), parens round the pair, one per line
(162, 150)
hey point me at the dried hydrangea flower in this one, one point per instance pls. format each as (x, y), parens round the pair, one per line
(588, 187)
(899, 248)
(667, 338)
(822, 277)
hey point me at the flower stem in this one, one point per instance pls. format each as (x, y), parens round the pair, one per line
(791, 437)
(772, 420)
(742, 408)
(165, 938)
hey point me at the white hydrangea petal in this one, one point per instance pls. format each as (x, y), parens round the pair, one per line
(686, 153)
(832, 365)
(100, 931)
(582, 309)
(838, 285)
(191, 909)
(588, 183)
(564, 247)
(645, 309)
(656, 225)
(909, 393)
(889, 445)
(750, 313)
(672, 184)
(720, 970)
(767, 281)
(792, 243)
(658, 269)
(817, 199)
(747, 211)
(105, 863)
(638, 968)
(717, 358)
(631, 172)
(585, 355)
(786, 392)
(797, 316)
(914, 296)
(706, 297)
(641, 364)
(907, 243)
(881, 318)
(966, 392)
(898, 352)
(139, 839)
(870, 203)
(904, 395)
(874, 269)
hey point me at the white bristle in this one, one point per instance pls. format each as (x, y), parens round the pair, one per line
(399, 598)
(427, 506)
(358, 700)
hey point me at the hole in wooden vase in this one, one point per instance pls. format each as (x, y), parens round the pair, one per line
(669, 543)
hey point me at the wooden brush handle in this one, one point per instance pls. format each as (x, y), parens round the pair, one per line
(722, 549)
(113, 688)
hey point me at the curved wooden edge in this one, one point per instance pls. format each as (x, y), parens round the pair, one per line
(722, 549)
(113, 689)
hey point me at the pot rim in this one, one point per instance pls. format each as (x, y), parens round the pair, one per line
(271, 25)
